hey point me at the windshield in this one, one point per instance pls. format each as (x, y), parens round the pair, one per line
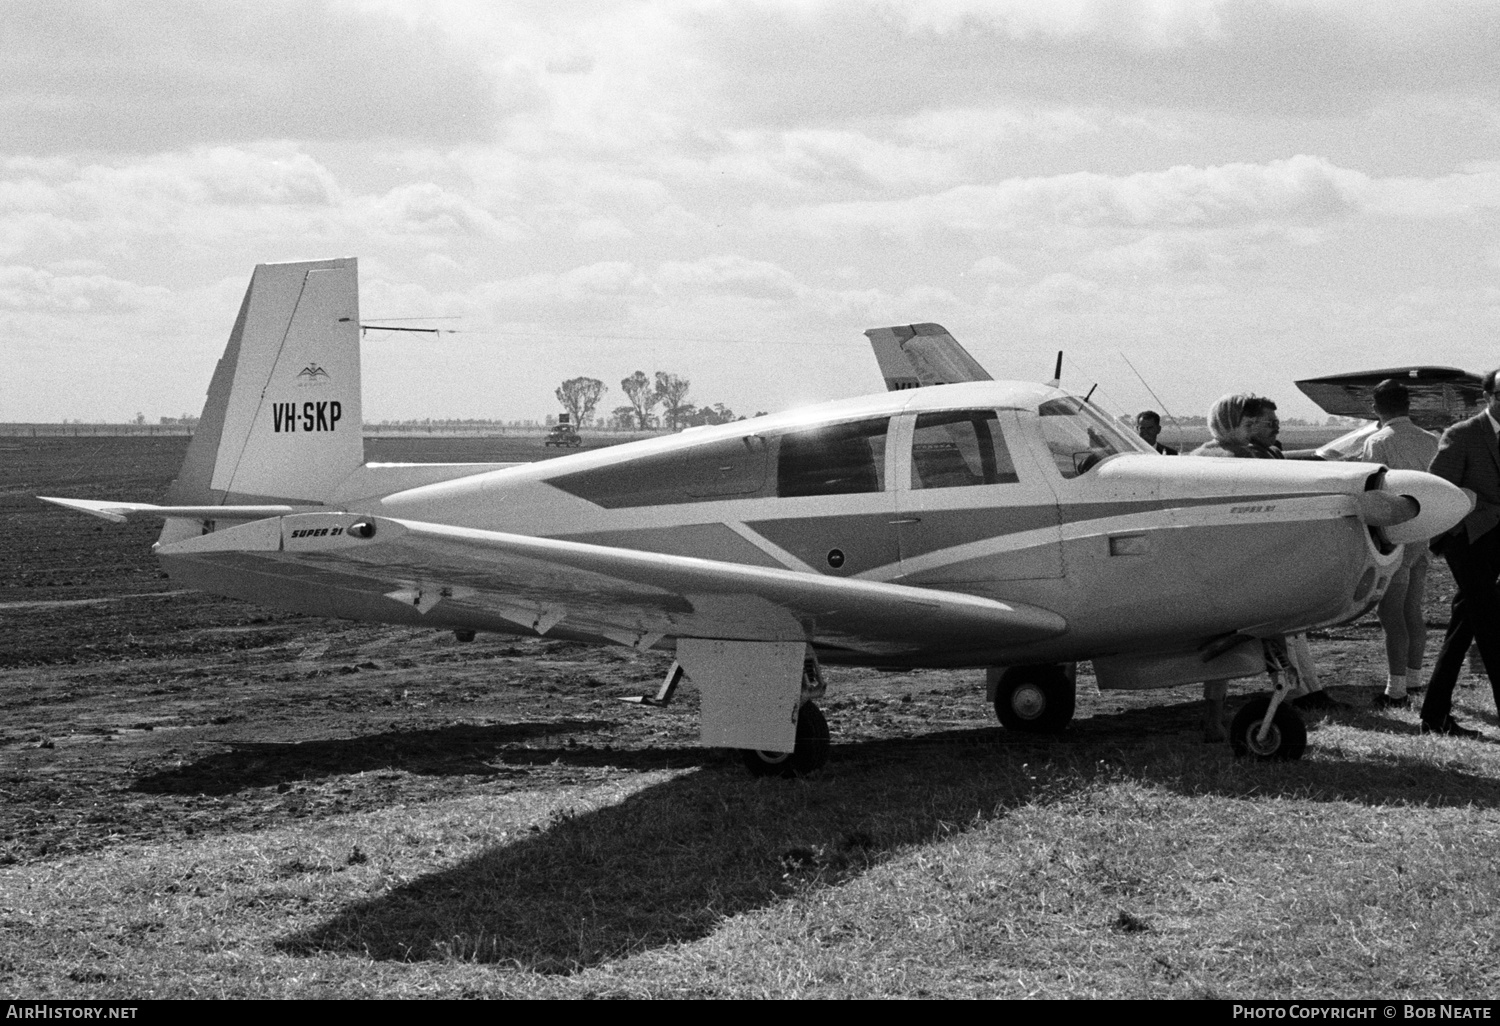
(1078, 436)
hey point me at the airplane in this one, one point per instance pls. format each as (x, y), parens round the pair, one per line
(1003, 525)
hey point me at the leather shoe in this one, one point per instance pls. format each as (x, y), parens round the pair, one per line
(1450, 728)
(1385, 701)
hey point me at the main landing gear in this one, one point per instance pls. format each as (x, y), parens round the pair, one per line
(1035, 699)
(811, 752)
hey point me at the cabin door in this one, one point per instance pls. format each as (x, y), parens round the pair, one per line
(972, 503)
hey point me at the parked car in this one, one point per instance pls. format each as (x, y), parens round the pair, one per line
(562, 436)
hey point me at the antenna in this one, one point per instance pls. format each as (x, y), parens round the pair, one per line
(1057, 372)
(1175, 426)
(1091, 392)
(379, 324)
(366, 328)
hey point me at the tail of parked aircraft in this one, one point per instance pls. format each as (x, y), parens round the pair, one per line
(282, 423)
(916, 355)
(282, 431)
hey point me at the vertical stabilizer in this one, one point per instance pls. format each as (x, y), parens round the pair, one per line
(916, 355)
(282, 423)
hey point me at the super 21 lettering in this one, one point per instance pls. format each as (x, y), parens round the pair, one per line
(324, 416)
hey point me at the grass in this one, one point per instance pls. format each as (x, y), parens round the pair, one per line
(905, 869)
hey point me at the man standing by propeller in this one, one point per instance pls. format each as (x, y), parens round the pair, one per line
(1401, 445)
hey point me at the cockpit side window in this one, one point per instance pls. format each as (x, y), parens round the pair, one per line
(959, 449)
(833, 459)
(1077, 437)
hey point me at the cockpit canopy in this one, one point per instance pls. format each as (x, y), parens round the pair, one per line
(1078, 437)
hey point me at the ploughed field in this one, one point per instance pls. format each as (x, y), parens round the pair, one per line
(146, 730)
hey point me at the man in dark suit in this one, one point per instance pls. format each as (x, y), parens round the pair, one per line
(1148, 426)
(1469, 457)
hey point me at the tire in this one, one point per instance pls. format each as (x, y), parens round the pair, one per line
(1035, 699)
(810, 753)
(1287, 738)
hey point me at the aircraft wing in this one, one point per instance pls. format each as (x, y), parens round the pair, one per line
(459, 576)
(1440, 396)
(917, 355)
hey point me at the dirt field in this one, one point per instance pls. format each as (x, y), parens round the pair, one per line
(131, 713)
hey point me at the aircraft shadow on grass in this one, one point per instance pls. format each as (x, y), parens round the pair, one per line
(460, 750)
(669, 863)
(484, 750)
(481, 750)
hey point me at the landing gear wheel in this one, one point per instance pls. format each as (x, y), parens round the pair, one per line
(1285, 741)
(1034, 699)
(810, 754)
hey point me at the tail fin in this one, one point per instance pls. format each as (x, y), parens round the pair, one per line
(282, 423)
(915, 355)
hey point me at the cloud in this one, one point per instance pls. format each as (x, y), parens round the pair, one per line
(256, 198)
(1299, 190)
(91, 75)
(427, 210)
(729, 274)
(778, 64)
(41, 289)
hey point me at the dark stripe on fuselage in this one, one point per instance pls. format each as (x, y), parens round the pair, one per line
(868, 541)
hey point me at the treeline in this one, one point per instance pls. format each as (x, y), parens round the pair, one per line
(1200, 421)
(478, 422)
(580, 398)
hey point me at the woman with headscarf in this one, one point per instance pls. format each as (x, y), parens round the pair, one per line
(1245, 426)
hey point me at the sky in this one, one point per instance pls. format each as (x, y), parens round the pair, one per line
(1225, 195)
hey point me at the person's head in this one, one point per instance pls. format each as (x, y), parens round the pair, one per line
(1392, 399)
(1148, 425)
(1242, 417)
(1489, 394)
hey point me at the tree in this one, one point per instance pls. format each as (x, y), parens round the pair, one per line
(579, 396)
(672, 391)
(642, 396)
(718, 413)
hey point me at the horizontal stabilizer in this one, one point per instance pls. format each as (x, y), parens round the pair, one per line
(461, 575)
(119, 512)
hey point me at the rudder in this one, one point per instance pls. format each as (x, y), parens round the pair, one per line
(283, 420)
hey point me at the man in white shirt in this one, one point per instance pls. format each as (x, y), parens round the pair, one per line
(1401, 445)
